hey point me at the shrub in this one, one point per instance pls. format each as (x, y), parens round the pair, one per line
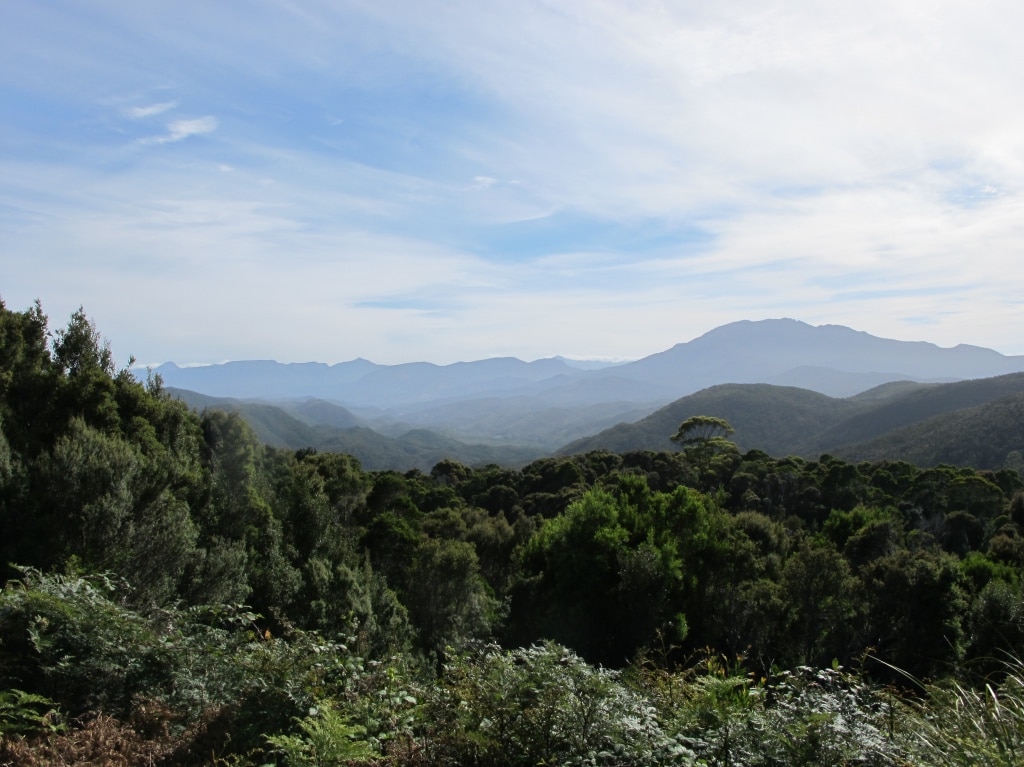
(541, 705)
(67, 638)
(802, 717)
(326, 738)
(208, 670)
(23, 713)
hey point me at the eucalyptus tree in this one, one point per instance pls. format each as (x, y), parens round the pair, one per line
(704, 436)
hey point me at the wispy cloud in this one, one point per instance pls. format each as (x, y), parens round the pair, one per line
(138, 113)
(179, 130)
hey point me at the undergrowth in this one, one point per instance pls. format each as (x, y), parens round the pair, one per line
(88, 680)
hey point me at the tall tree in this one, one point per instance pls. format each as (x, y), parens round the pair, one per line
(702, 436)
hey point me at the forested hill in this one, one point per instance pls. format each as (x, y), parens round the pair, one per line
(989, 436)
(927, 424)
(776, 419)
(321, 425)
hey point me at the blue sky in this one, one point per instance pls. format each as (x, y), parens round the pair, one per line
(443, 181)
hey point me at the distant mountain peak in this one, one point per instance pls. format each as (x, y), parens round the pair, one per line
(755, 328)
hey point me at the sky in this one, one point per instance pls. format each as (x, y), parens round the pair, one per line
(407, 180)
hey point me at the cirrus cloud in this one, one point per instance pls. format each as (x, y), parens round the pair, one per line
(139, 113)
(179, 130)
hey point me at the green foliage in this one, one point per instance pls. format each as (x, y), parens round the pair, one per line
(541, 705)
(703, 437)
(819, 590)
(326, 738)
(622, 567)
(916, 605)
(69, 644)
(447, 597)
(243, 515)
(804, 717)
(79, 348)
(73, 640)
(995, 626)
(842, 525)
(25, 713)
(106, 496)
(68, 639)
(701, 429)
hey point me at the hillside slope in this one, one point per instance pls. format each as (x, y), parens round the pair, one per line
(914, 406)
(974, 423)
(989, 436)
(279, 426)
(776, 419)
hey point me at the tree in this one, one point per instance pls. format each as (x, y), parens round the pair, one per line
(103, 502)
(702, 436)
(27, 380)
(915, 604)
(79, 347)
(817, 585)
(700, 429)
(618, 568)
(240, 525)
(446, 596)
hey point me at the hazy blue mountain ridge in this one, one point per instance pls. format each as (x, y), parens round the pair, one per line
(364, 383)
(832, 359)
(758, 352)
(550, 405)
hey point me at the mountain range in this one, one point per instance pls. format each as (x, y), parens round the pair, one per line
(788, 386)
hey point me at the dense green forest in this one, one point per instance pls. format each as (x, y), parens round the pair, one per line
(180, 593)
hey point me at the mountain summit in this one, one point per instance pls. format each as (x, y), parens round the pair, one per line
(832, 359)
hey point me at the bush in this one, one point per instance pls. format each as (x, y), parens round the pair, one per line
(23, 713)
(326, 738)
(802, 717)
(67, 638)
(541, 705)
(208, 670)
